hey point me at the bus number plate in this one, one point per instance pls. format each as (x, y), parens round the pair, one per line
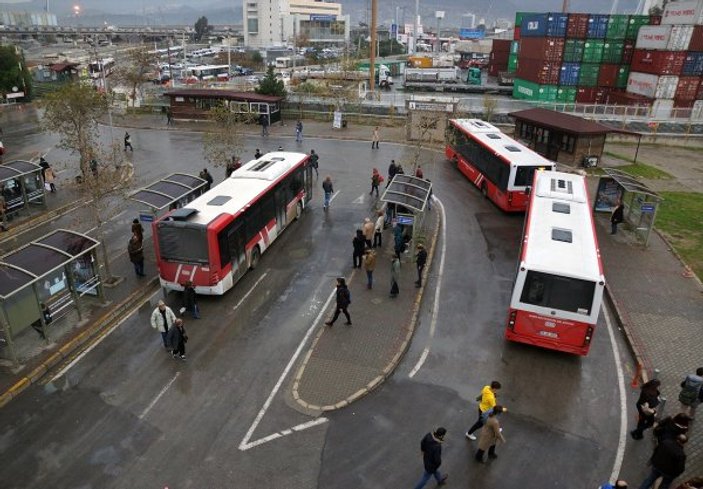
(549, 334)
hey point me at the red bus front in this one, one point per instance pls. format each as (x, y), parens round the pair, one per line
(553, 333)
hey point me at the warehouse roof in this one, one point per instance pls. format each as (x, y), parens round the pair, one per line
(564, 122)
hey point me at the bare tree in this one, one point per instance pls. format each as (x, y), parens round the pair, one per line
(223, 139)
(489, 107)
(139, 63)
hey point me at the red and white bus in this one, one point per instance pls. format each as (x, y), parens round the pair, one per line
(217, 237)
(559, 285)
(497, 164)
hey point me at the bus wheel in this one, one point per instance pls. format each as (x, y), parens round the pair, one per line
(298, 210)
(255, 257)
(484, 190)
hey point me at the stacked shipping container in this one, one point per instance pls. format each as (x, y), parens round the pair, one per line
(498, 59)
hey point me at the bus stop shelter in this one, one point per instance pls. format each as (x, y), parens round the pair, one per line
(57, 270)
(171, 192)
(406, 200)
(641, 203)
(21, 184)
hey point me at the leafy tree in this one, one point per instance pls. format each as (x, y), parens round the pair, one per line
(13, 72)
(72, 112)
(224, 139)
(136, 69)
(201, 28)
(656, 10)
(271, 85)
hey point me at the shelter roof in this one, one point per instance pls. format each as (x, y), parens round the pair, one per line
(409, 191)
(162, 193)
(223, 94)
(564, 122)
(17, 168)
(631, 184)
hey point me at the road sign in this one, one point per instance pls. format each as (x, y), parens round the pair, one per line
(405, 220)
(146, 216)
(647, 208)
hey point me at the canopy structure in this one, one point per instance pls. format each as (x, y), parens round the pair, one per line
(172, 189)
(20, 184)
(631, 184)
(408, 191)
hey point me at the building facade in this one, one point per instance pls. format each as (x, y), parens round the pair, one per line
(270, 23)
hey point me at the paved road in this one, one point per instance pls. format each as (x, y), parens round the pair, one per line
(128, 415)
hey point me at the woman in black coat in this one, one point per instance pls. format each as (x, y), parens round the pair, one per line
(646, 407)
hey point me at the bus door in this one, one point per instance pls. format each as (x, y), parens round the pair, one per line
(307, 184)
(236, 241)
(283, 216)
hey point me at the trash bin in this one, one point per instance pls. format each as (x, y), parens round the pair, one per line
(590, 161)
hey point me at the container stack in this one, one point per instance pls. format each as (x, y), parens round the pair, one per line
(498, 59)
(667, 63)
(573, 58)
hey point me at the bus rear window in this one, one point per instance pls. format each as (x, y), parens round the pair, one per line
(524, 175)
(561, 293)
(180, 242)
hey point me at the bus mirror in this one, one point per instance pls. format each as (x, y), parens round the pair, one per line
(528, 190)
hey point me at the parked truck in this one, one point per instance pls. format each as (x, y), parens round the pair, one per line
(431, 75)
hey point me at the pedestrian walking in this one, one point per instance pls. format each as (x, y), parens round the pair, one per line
(138, 229)
(257, 154)
(3, 214)
(343, 299)
(617, 217)
(376, 180)
(136, 254)
(691, 392)
(44, 165)
(314, 162)
(264, 121)
(395, 276)
(232, 165)
(369, 266)
(668, 462)
(189, 300)
(419, 173)
(162, 319)
(49, 178)
(299, 132)
(205, 175)
(420, 261)
(431, 448)
(671, 427)
(358, 245)
(619, 484)
(368, 229)
(329, 190)
(378, 230)
(177, 339)
(646, 407)
(169, 117)
(392, 170)
(491, 433)
(280, 148)
(375, 137)
(128, 142)
(486, 402)
(399, 169)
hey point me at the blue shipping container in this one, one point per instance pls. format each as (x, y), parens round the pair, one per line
(693, 64)
(534, 25)
(598, 26)
(569, 75)
(556, 24)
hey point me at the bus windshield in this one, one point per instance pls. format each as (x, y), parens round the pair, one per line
(182, 244)
(525, 174)
(556, 292)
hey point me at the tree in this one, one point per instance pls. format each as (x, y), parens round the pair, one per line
(201, 28)
(271, 85)
(225, 137)
(135, 71)
(656, 10)
(72, 112)
(490, 104)
(13, 72)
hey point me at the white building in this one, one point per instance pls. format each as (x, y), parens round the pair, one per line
(270, 23)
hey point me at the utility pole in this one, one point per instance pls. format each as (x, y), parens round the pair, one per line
(372, 46)
(564, 6)
(229, 52)
(417, 25)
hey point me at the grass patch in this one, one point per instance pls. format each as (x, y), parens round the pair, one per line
(639, 169)
(680, 217)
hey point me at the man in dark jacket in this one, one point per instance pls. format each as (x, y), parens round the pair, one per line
(343, 301)
(392, 169)
(420, 260)
(431, 447)
(189, 301)
(617, 217)
(668, 462)
(136, 254)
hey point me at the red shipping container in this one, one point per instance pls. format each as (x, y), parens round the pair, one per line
(586, 95)
(627, 51)
(687, 89)
(495, 68)
(500, 56)
(516, 34)
(608, 75)
(683, 104)
(626, 98)
(544, 48)
(696, 43)
(699, 95)
(655, 20)
(577, 26)
(658, 62)
(539, 71)
(501, 45)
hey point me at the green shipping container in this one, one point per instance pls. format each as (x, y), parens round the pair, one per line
(566, 95)
(519, 16)
(526, 90)
(588, 76)
(634, 24)
(515, 47)
(512, 63)
(623, 74)
(612, 51)
(617, 26)
(593, 51)
(573, 50)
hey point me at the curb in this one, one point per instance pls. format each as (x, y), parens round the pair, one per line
(74, 343)
(391, 366)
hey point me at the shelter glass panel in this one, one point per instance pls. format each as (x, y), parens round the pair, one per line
(36, 259)
(173, 190)
(70, 243)
(12, 279)
(187, 180)
(152, 199)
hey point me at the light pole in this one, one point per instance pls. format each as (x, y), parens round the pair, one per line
(417, 25)
(439, 15)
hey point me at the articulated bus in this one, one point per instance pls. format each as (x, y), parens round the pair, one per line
(559, 285)
(497, 164)
(220, 235)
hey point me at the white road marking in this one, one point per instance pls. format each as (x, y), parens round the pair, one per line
(285, 432)
(90, 230)
(244, 445)
(251, 289)
(360, 199)
(334, 195)
(620, 454)
(107, 333)
(437, 293)
(159, 396)
(118, 215)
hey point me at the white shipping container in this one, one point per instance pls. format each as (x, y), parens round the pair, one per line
(653, 37)
(689, 12)
(661, 109)
(666, 87)
(642, 84)
(680, 37)
(697, 110)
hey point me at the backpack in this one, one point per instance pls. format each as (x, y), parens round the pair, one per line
(690, 389)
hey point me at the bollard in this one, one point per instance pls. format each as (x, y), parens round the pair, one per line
(656, 373)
